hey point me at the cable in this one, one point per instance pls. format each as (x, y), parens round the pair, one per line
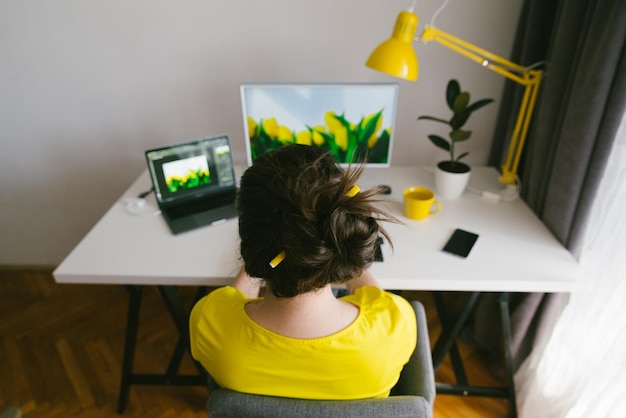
(510, 192)
(537, 64)
(432, 19)
(142, 195)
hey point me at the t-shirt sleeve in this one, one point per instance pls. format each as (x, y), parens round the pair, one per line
(218, 301)
(392, 311)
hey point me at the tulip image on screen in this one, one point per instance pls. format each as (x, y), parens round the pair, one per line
(354, 122)
(186, 174)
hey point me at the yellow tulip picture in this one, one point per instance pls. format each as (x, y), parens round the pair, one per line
(348, 141)
(189, 180)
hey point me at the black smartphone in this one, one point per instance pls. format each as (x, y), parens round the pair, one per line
(460, 243)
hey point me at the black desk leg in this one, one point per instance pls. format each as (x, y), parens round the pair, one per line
(132, 323)
(181, 319)
(503, 299)
(446, 345)
(180, 316)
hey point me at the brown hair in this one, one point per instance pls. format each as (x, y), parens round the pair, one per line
(294, 200)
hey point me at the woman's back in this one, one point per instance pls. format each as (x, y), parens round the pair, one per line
(362, 360)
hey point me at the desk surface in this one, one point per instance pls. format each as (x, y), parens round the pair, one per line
(515, 252)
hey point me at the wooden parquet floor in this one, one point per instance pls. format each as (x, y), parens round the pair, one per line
(61, 352)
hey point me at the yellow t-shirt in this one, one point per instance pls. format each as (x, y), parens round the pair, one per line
(363, 360)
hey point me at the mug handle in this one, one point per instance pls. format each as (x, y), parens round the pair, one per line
(435, 202)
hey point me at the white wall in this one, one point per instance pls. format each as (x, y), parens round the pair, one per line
(86, 86)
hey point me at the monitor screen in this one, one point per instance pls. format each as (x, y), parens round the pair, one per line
(353, 121)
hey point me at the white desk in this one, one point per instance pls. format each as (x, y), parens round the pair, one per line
(515, 252)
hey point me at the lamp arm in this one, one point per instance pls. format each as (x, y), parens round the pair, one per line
(483, 57)
(520, 132)
(529, 78)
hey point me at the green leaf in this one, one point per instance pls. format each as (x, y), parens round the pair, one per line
(478, 104)
(465, 154)
(459, 135)
(439, 142)
(433, 119)
(341, 118)
(330, 141)
(351, 154)
(460, 102)
(370, 127)
(378, 154)
(452, 91)
(327, 136)
(459, 119)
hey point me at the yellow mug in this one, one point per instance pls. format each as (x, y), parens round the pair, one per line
(420, 203)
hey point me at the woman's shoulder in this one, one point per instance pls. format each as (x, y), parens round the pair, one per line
(376, 302)
(375, 296)
(219, 299)
(385, 315)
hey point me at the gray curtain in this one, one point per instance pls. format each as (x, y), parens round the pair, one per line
(580, 106)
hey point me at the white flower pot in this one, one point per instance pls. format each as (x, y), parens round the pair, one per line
(451, 180)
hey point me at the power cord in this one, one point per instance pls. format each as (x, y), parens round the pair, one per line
(142, 195)
(510, 192)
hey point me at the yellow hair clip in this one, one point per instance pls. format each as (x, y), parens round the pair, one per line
(277, 260)
(354, 190)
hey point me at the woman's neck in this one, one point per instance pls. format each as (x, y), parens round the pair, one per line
(310, 315)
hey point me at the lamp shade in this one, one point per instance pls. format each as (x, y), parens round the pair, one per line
(396, 55)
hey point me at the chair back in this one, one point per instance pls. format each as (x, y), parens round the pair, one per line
(230, 404)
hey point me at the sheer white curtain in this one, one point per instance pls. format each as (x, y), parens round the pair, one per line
(581, 372)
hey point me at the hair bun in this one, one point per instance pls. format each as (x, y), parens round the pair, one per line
(353, 236)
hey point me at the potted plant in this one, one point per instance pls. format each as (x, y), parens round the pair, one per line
(452, 175)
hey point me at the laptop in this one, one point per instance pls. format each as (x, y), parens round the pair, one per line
(194, 182)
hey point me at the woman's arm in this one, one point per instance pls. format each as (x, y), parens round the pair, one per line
(248, 285)
(365, 279)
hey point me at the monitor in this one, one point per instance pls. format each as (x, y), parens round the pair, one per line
(353, 121)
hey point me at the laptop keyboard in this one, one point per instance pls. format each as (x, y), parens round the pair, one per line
(199, 206)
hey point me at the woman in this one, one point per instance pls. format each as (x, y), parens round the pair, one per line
(304, 227)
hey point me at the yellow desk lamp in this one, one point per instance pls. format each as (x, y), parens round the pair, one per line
(397, 57)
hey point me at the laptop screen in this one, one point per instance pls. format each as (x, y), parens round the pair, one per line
(191, 169)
